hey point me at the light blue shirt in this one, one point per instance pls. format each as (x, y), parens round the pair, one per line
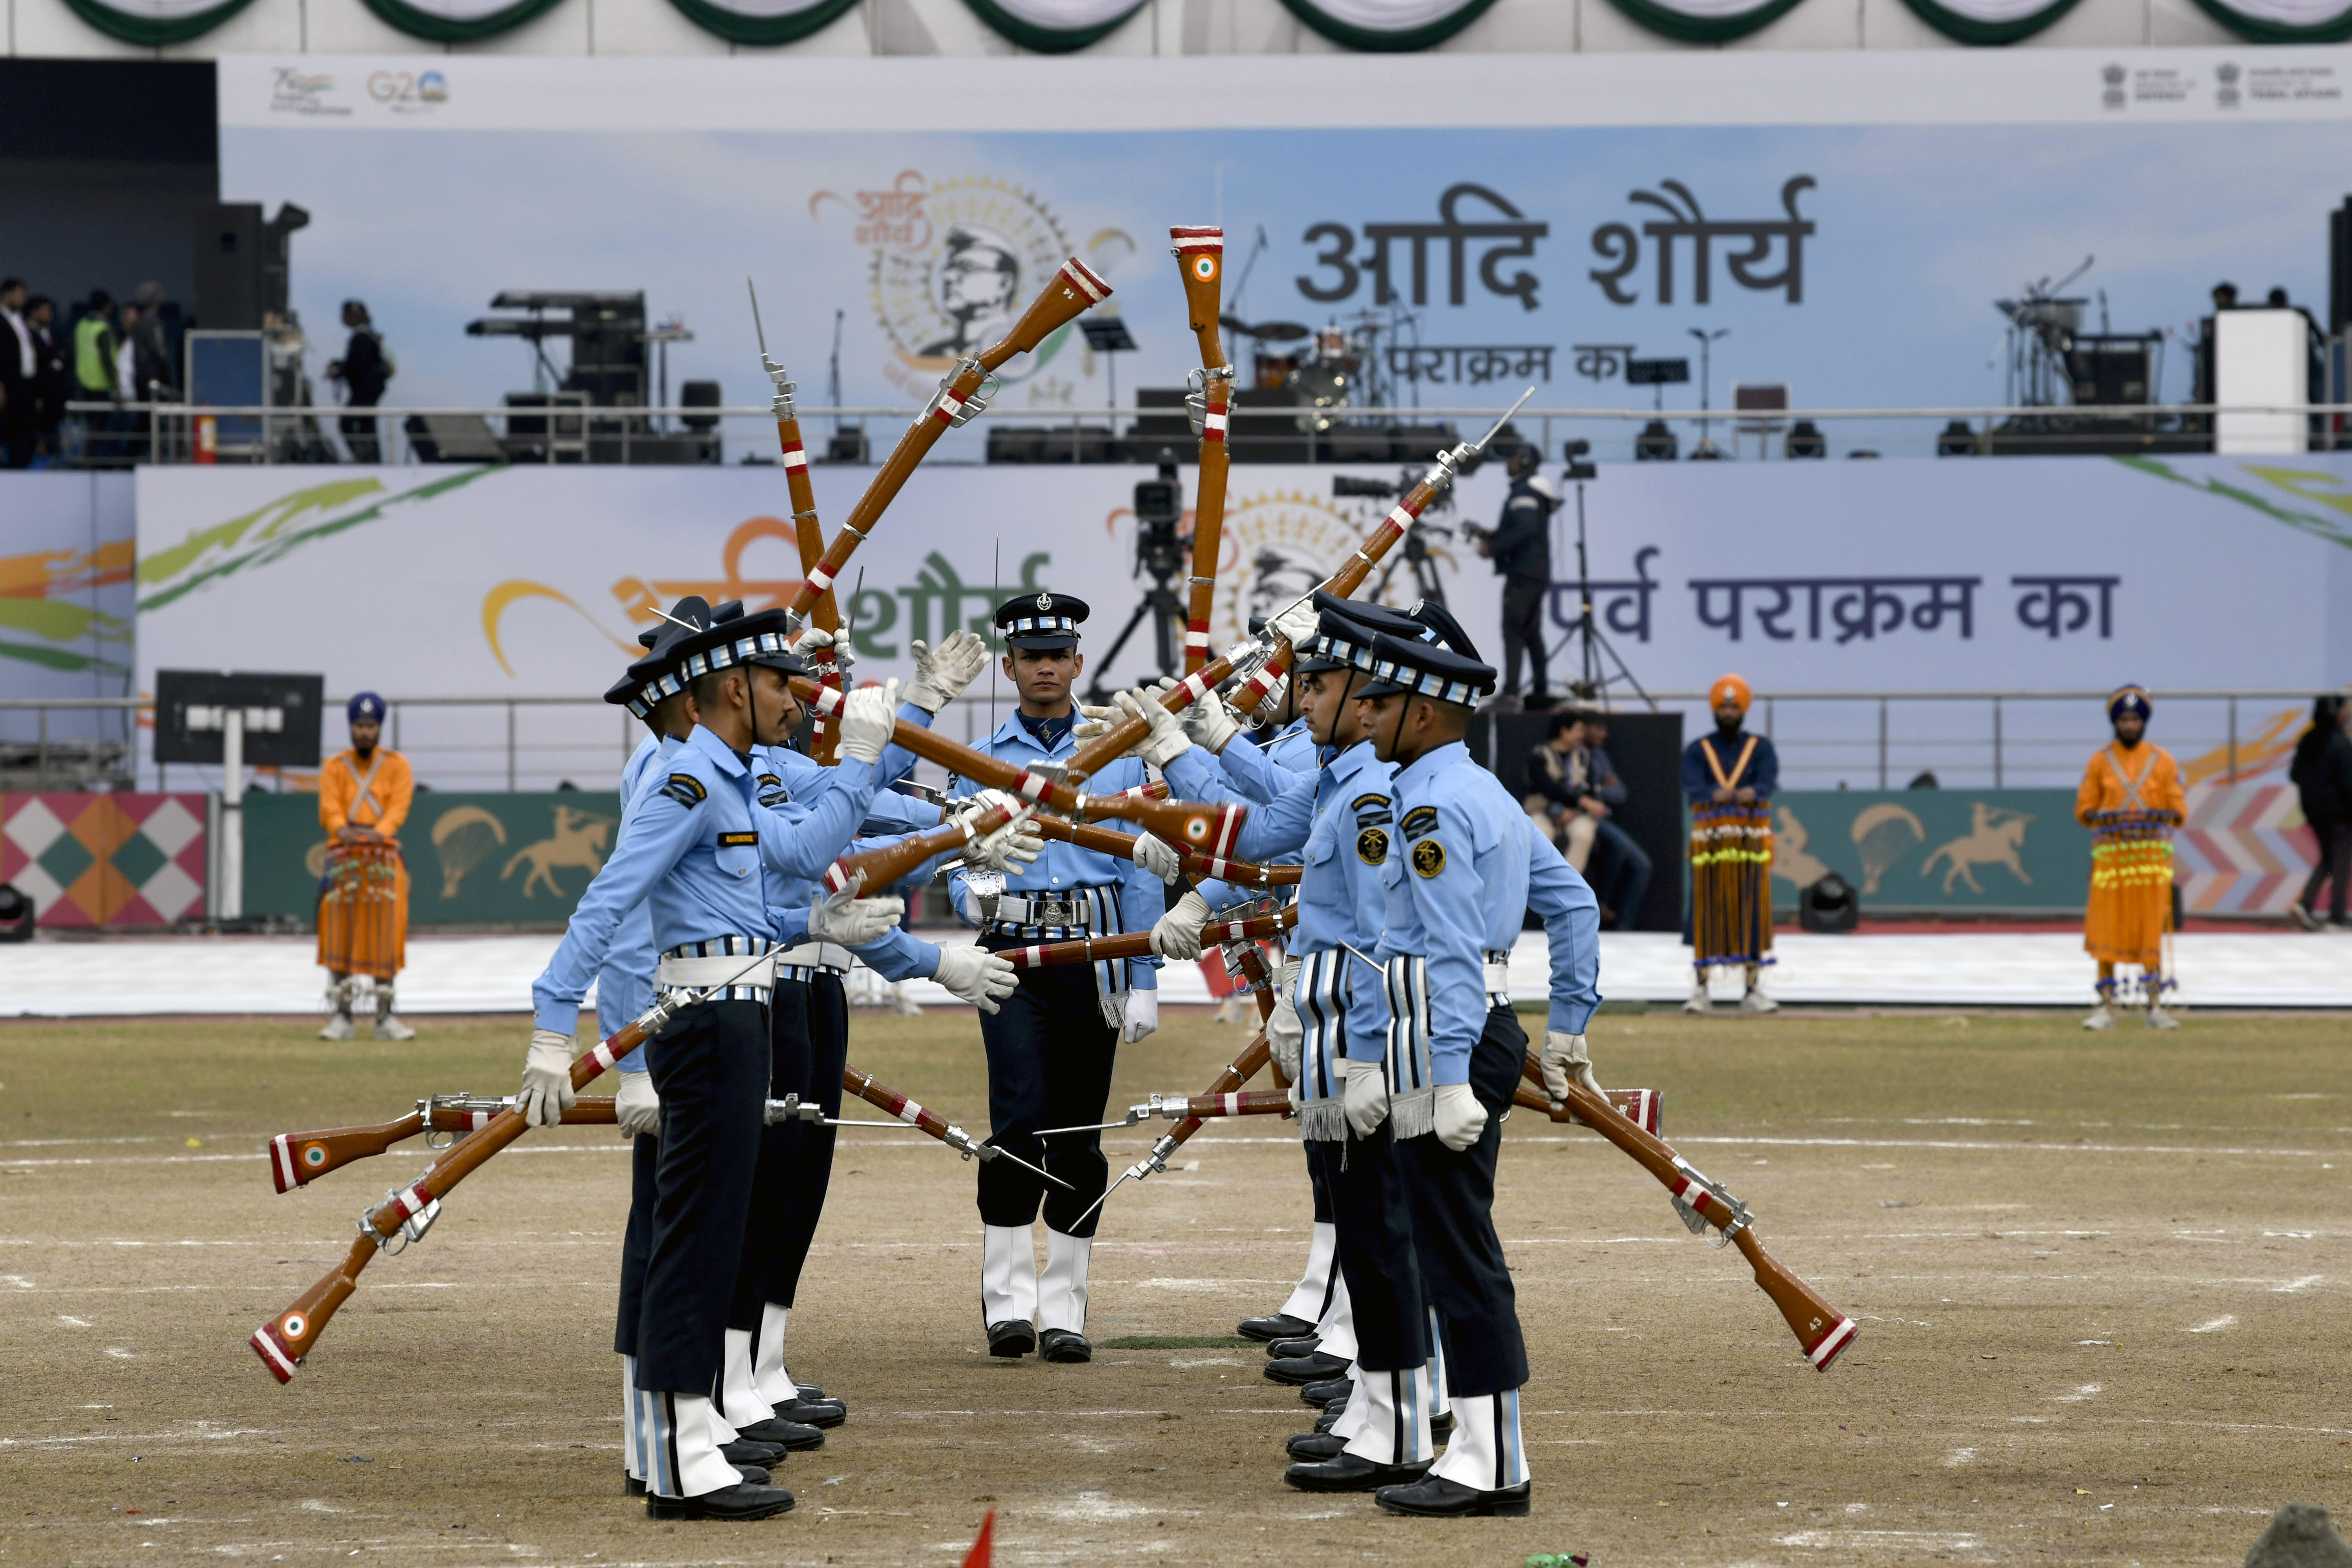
(1463, 867)
(702, 852)
(1062, 867)
(625, 984)
(1338, 821)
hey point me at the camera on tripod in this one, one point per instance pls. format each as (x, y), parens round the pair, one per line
(1159, 510)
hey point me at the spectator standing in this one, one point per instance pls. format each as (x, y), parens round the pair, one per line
(363, 369)
(20, 376)
(94, 365)
(2322, 774)
(129, 444)
(52, 383)
(155, 374)
(1623, 866)
(1520, 548)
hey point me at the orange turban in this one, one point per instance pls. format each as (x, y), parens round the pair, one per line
(1731, 689)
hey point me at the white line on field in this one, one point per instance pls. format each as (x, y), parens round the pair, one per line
(2302, 1284)
(2217, 1325)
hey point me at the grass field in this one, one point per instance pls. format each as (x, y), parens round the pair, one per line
(2102, 1285)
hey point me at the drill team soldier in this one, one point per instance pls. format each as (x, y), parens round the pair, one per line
(700, 849)
(1462, 867)
(1051, 1048)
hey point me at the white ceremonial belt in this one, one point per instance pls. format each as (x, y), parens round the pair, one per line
(830, 956)
(1012, 909)
(681, 973)
(1498, 980)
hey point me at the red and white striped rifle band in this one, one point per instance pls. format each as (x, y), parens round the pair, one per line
(1196, 637)
(1822, 1354)
(1213, 427)
(795, 454)
(282, 1156)
(414, 1198)
(1697, 1196)
(1194, 237)
(948, 407)
(1085, 279)
(910, 1112)
(603, 1055)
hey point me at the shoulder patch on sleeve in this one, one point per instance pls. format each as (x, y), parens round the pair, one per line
(1419, 821)
(684, 789)
(1428, 858)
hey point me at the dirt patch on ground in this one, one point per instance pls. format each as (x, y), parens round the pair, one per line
(2100, 1283)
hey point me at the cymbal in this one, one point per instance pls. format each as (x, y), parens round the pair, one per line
(1266, 331)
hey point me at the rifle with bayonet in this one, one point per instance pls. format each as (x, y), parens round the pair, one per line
(1179, 1107)
(1208, 830)
(1263, 658)
(1111, 842)
(806, 533)
(928, 1121)
(406, 1213)
(1073, 289)
(1241, 1068)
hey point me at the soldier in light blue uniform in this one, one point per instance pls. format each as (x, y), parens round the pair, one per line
(1463, 866)
(1050, 1051)
(699, 849)
(809, 1031)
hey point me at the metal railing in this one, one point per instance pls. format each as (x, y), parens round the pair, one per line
(167, 432)
(2010, 740)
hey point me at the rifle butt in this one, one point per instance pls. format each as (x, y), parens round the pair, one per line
(1074, 289)
(1645, 1108)
(285, 1339)
(298, 1159)
(1820, 1329)
(893, 864)
(1201, 259)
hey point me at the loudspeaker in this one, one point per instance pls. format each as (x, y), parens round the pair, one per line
(1830, 904)
(243, 265)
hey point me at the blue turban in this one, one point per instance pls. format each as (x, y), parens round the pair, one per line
(367, 706)
(2130, 699)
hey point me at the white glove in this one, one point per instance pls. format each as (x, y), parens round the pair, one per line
(977, 976)
(1460, 1117)
(1155, 856)
(941, 675)
(1010, 847)
(1298, 623)
(1366, 1095)
(1564, 1058)
(1286, 1034)
(1095, 721)
(821, 648)
(852, 921)
(1168, 741)
(547, 1091)
(1177, 934)
(869, 716)
(1142, 1015)
(1208, 725)
(636, 1107)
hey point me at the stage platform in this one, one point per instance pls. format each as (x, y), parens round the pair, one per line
(131, 977)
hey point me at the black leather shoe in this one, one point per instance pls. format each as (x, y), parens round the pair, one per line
(1349, 1472)
(788, 1436)
(1064, 1345)
(1287, 1349)
(1441, 1426)
(755, 1475)
(1314, 1448)
(1301, 1370)
(1434, 1497)
(808, 1391)
(1011, 1339)
(751, 1451)
(820, 1413)
(743, 1500)
(1330, 1417)
(631, 1486)
(1281, 1325)
(1325, 1393)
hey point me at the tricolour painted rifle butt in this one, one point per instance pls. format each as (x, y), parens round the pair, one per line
(1200, 258)
(285, 1339)
(298, 1159)
(1822, 1329)
(1075, 288)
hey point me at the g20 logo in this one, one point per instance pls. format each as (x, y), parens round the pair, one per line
(408, 90)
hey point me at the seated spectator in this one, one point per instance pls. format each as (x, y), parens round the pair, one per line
(1558, 790)
(1620, 873)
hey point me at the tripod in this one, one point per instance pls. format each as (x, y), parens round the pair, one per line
(1592, 683)
(1167, 612)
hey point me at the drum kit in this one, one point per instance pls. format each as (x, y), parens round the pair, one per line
(1327, 374)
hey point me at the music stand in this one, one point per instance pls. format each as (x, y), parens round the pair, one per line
(1107, 336)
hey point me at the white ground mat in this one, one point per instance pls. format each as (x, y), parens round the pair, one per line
(161, 975)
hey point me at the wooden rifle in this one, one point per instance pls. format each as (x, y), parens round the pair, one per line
(1240, 1070)
(1138, 943)
(298, 1159)
(1200, 258)
(407, 1212)
(1073, 289)
(1111, 842)
(1272, 652)
(806, 533)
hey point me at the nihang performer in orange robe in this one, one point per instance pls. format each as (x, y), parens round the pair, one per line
(2131, 800)
(364, 795)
